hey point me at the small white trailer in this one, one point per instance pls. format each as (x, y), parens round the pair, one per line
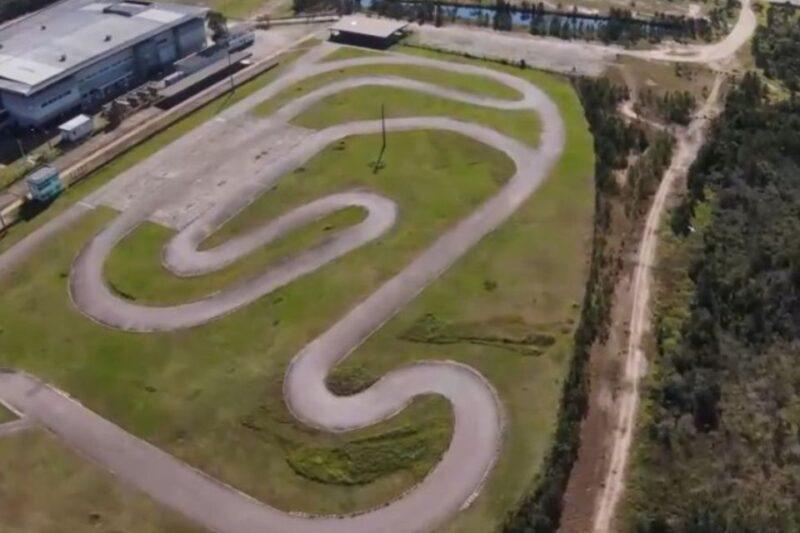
(76, 128)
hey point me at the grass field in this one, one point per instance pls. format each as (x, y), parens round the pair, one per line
(212, 395)
(427, 209)
(349, 52)
(242, 9)
(364, 103)
(465, 82)
(86, 499)
(6, 415)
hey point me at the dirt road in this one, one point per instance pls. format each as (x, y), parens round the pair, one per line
(689, 141)
(711, 54)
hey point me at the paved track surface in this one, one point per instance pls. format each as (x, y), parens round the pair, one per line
(478, 414)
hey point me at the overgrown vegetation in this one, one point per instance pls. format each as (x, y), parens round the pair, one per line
(776, 45)
(366, 459)
(614, 139)
(720, 440)
(19, 168)
(508, 333)
(645, 173)
(615, 143)
(676, 106)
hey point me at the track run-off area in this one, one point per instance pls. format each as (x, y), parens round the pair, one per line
(478, 414)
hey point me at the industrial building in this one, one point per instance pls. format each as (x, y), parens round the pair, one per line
(79, 54)
(371, 32)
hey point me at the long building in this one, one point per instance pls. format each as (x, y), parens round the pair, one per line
(79, 54)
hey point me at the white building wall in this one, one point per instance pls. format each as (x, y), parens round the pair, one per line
(99, 81)
(192, 37)
(43, 106)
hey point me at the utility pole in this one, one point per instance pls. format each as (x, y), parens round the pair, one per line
(383, 129)
(21, 149)
(379, 162)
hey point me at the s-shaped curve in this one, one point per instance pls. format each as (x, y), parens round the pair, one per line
(478, 414)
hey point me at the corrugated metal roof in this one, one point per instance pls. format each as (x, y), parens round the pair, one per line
(53, 43)
(27, 71)
(374, 27)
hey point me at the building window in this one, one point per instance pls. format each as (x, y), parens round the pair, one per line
(55, 99)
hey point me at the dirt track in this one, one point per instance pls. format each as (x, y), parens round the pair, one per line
(689, 142)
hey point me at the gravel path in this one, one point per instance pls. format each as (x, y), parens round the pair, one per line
(478, 414)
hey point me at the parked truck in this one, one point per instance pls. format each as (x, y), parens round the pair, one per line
(44, 184)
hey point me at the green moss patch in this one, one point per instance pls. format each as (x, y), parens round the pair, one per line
(364, 460)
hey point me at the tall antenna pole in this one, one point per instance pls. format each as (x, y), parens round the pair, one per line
(383, 128)
(379, 162)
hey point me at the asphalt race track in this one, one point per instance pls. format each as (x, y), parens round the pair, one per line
(478, 413)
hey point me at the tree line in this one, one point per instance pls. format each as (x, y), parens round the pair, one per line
(672, 106)
(616, 142)
(620, 25)
(720, 446)
(776, 45)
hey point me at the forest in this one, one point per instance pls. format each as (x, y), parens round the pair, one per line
(776, 45)
(719, 444)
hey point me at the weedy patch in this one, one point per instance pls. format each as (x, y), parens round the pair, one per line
(510, 333)
(345, 380)
(364, 460)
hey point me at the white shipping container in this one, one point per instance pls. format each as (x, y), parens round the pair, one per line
(77, 128)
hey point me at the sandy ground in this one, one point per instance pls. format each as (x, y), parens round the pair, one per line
(580, 57)
(539, 52)
(716, 55)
